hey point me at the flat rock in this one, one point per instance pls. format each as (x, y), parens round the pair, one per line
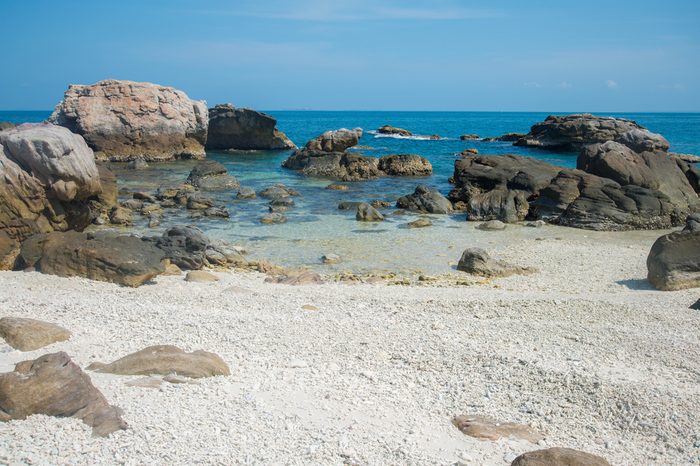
(30, 334)
(484, 427)
(53, 385)
(200, 276)
(559, 457)
(164, 360)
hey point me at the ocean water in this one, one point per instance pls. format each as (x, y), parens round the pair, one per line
(315, 225)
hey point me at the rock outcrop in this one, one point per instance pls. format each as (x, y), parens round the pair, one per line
(48, 176)
(327, 156)
(126, 120)
(572, 132)
(164, 360)
(233, 128)
(125, 260)
(30, 334)
(674, 261)
(55, 386)
(559, 457)
(425, 199)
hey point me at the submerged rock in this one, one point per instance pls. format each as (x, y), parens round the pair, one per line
(125, 260)
(425, 199)
(30, 334)
(164, 360)
(367, 213)
(233, 128)
(476, 261)
(674, 261)
(273, 218)
(246, 193)
(53, 385)
(126, 120)
(572, 132)
(559, 457)
(277, 191)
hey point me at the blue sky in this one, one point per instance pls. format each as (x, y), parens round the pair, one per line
(613, 55)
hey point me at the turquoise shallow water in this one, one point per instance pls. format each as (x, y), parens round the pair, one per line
(315, 224)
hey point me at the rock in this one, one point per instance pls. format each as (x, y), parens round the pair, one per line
(434, 137)
(9, 251)
(132, 204)
(559, 457)
(425, 199)
(674, 261)
(476, 261)
(126, 120)
(688, 158)
(137, 164)
(492, 225)
(210, 175)
(6, 125)
(233, 128)
(276, 191)
(469, 137)
(334, 141)
(386, 129)
(296, 277)
(197, 201)
(692, 223)
(282, 201)
(484, 427)
(536, 224)
(572, 132)
(652, 170)
(348, 205)
(309, 307)
(232, 254)
(171, 269)
(467, 152)
(184, 246)
(367, 213)
(108, 181)
(508, 137)
(380, 204)
(271, 218)
(175, 191)
(405, 165)
(164, 360)
(121, 216)
(220, 212)
(420, 223)
(55, 386)
(696, 306)
(337, 187)
(246, 193)
(200, 276)
(30, 334)
(125, 260)
(342, 166)
(330, 258)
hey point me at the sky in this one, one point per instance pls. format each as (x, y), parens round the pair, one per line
(510, 55)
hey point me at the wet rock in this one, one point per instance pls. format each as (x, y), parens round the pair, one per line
(405, 165)
(282, 201)
(273, 218)
(476, 261)
(210, 175)
(345, 166)
(387, 129)
(197, 201)
(164, 360)
(484, 427)
(55, 386)
(233, 128)
(174, 191)
(492, 225)
(153, 222)
(425, 199)
(184, 246)
(277, 191)
(200, 276)
(132, 204)
(508, 137)
(144, 196)
(559, 457)
(246, 193)
(30, 334)
(296, 277)
(126, 120)
(674, 261)
(330, 258)
(367, 213)
(125, 260)
(572, 132)
(220, 212)
(121, 216)
(420, 223)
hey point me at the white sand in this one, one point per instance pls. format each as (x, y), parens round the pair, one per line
(583, 350)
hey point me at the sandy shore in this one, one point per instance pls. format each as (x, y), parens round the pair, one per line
(583, 350)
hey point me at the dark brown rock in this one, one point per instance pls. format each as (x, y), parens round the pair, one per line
(9, 251)
(233, 128)
(559, 457)
(386, 129)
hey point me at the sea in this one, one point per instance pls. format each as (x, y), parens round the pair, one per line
(316, 226)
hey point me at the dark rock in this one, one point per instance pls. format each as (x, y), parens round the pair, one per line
(53, 385)
(696, 306)
(276, 191)
(220, 212)
(425, 199)
(508, 137)
(467, 152)
(233, 128)
(572, 132)
(405, 165)
(380, 204)
(674, 261)
(386, 129)
(246, 193)
(692, 223)
(367, 213)
(210, 175)
(144, 196)
(469, 137)
(197, 201)
(125, 260)
(185, 246)
(343, 166)
(559, 457)
(348, 205)
(476, 261)
(282, 201)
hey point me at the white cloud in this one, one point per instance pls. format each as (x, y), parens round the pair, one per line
(611, 84)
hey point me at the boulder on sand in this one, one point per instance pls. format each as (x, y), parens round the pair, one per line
(125, 260)
(572, 132)
(559, 457)
(233, 128)
(674, 261)
(30, 334)
(425, 199)
(164, 360)
(126, 120)
(476, 261)
(53, 385)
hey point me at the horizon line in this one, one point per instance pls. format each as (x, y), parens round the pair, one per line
(429, 111)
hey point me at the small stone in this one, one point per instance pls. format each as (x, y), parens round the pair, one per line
(367, 213)
(309, 307)
(419, 223)
(536, 224)
(200, 276)
(330, 258)
(273, 218)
